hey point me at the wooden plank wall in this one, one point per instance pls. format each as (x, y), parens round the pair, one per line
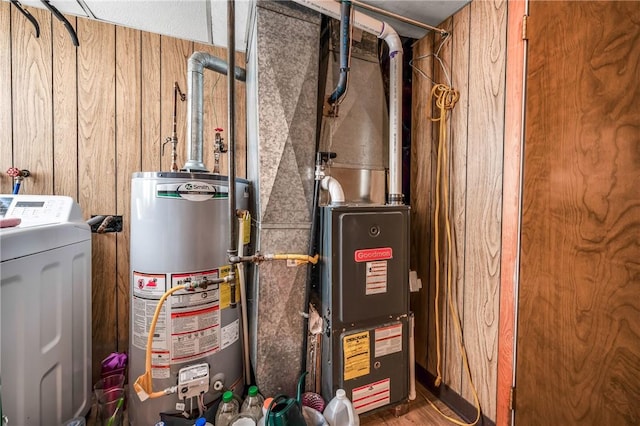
(475, 60)
(578, 343)
(82, 120)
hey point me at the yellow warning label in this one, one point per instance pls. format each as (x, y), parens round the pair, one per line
(246, 226)
(356, 355)
(225, 288)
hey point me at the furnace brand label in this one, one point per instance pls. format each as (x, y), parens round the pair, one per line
(373, 395)
(357, 357)
(376, 281)
(373, 254)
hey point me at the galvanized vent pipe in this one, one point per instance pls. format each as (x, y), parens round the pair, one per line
(385, 32)
(198, 61)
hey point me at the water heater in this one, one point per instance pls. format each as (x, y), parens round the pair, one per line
(179, 234)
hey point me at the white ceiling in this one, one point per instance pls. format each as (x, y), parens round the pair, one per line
(206, 20)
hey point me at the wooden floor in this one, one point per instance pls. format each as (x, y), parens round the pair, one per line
(420, 413)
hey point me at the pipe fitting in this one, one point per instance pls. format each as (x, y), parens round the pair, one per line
(335, 190)
(198, 61)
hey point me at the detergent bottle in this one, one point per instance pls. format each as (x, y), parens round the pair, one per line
(340, 411)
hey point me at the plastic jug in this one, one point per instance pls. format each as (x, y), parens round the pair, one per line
(265, 408)
(340, 411)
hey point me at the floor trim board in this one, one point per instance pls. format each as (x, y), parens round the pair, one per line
(462, 407)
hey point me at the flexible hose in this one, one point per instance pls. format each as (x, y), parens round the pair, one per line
(445, 99)
(299, 258)
(143, 385)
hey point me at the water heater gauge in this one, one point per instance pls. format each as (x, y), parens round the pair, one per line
(193, 380)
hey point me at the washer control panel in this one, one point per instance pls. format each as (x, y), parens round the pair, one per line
(36, 210)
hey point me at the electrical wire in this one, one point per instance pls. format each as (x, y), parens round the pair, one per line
(445, 99)
(436, 55)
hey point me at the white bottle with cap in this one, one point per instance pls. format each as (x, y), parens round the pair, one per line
(340, 411)
(265, 407)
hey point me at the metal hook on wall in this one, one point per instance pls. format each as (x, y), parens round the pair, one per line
(67, 24)
(27, 15)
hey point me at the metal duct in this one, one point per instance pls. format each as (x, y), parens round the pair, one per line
(383, 31)
(198, 61)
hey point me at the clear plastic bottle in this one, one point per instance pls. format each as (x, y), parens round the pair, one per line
(227, 410)
(253, 403)
(340, 411)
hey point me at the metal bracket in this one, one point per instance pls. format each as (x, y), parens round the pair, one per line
(27, 15)
(61, 18)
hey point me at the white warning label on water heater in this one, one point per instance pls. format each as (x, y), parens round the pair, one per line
(160, 365)
(230, 334)
(388, 340)
(195, 333)
(376, 281)
(143, 311)
(374, 395)
(149, 285)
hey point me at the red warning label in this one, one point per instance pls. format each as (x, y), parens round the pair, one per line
(368, 255)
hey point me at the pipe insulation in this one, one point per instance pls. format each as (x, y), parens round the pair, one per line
(198, 61)
(383, 31)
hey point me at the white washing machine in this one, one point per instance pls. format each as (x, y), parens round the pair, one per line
(45, 316)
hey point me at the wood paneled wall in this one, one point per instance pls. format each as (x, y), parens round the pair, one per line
(578, 346)
(82, 120)
(475, 60)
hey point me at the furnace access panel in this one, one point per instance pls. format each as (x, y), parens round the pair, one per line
(363, 297)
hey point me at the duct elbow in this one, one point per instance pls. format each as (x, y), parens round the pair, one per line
(335, 189)
(196, 62)
(391, 37)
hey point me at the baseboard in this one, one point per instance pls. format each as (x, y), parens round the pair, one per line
(463, 408)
